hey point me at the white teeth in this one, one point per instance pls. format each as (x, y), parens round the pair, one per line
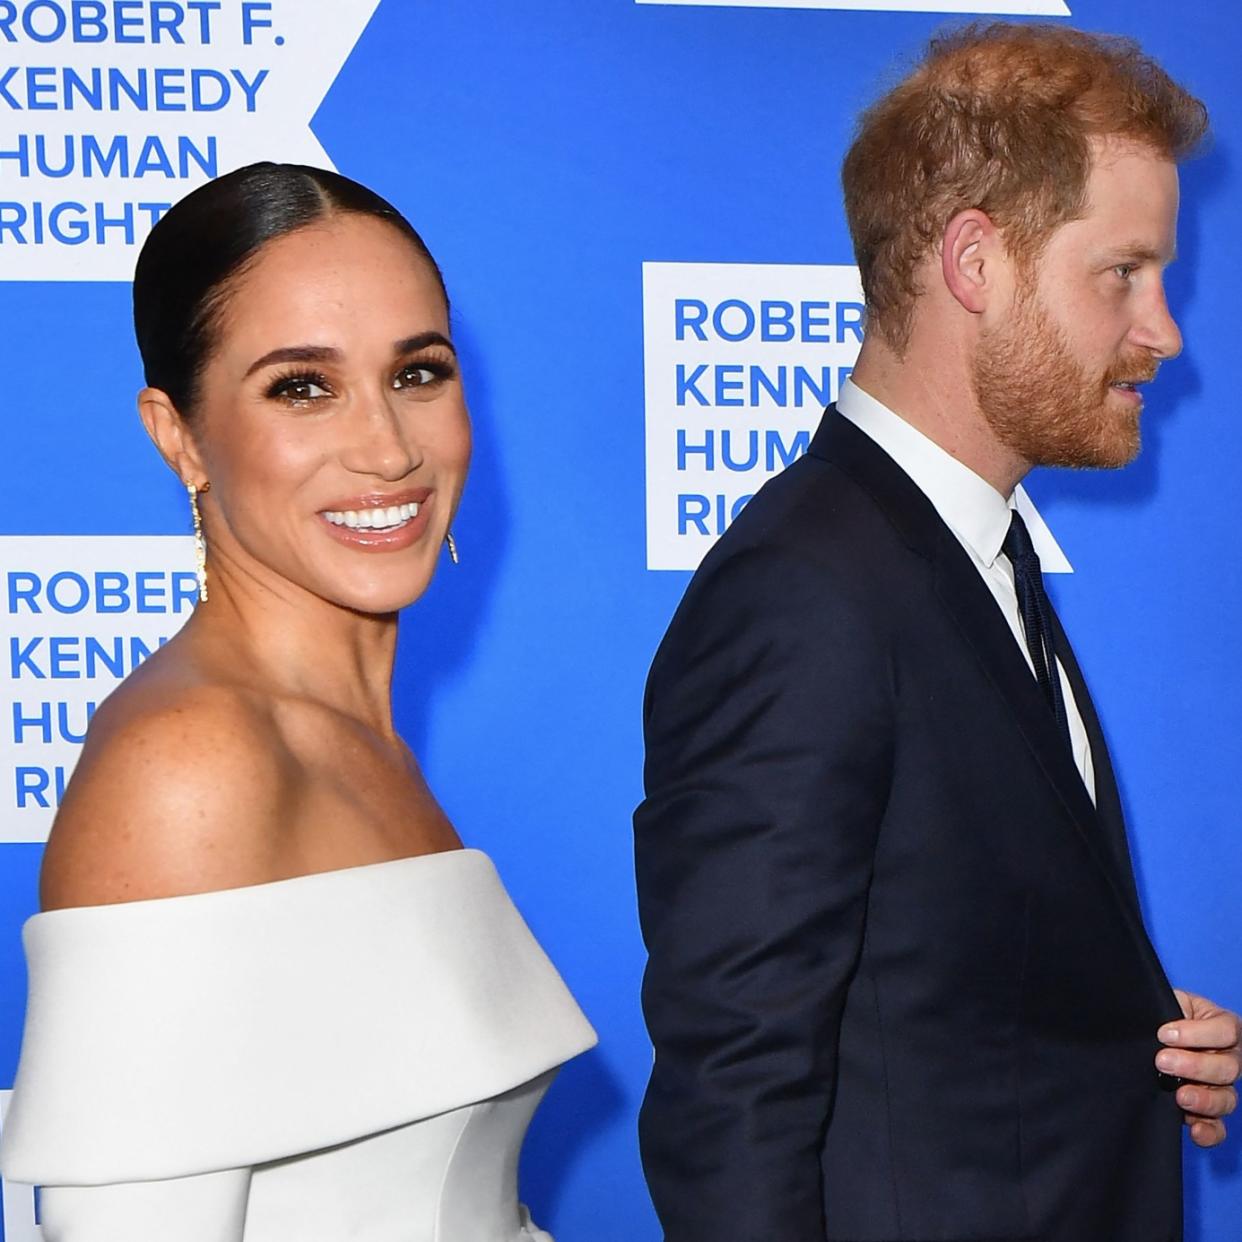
(372, 519)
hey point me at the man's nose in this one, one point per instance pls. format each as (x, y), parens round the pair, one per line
(1157, 330)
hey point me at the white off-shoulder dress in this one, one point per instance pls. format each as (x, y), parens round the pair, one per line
(353, 1055)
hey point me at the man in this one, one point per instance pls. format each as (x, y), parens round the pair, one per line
(899, 986)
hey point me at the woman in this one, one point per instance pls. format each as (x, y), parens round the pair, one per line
(271, 997)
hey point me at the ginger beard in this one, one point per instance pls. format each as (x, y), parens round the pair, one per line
(1045, 405)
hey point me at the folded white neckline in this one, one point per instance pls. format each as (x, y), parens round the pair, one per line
(182, 1035)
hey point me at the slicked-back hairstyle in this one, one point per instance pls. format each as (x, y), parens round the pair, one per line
(206, 241)
(998, 117)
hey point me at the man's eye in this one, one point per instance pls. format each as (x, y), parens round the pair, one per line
(1125, 270)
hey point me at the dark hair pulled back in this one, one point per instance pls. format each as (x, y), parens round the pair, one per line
(206, 240)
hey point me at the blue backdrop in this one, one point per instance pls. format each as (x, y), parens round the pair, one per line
(547, 151)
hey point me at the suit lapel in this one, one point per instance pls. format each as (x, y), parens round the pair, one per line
(967, 599)
(1107, 796)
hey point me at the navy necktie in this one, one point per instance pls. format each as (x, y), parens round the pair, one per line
(1036, 613)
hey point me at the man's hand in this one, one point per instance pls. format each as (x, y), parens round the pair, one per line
(1205, 1051)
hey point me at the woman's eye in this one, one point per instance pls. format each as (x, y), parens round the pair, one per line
(416, 377)
(300, 390)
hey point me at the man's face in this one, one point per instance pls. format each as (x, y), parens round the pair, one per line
(1057, 377)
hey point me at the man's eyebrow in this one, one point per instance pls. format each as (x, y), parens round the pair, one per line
(294, 353)
(1141, 252)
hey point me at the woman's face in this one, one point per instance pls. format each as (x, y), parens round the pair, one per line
(331, 420)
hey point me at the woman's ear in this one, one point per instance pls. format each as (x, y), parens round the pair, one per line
(168, 431)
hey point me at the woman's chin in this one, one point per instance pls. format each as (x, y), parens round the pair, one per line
(377, 598)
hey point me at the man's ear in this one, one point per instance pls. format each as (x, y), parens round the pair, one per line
(168, 432)
(973, 259)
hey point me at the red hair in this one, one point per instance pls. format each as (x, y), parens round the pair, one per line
(998, 117)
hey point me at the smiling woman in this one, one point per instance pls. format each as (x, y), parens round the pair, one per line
(247, 853)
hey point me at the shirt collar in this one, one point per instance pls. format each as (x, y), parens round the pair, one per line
(970, 506)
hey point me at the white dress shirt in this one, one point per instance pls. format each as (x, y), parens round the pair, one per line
(979, 516)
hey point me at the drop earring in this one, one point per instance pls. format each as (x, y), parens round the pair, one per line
(452, 546)
(200, 543)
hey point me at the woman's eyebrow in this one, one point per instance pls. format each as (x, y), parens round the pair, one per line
(295, 353)
(421, 341)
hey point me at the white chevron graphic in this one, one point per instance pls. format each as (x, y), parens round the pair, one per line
(99, 135)
(997, 8)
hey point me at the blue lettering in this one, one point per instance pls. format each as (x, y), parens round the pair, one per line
(822, 391)
(205, 9)
(136, 92)
(59, 21)
(777, 391)
(5, 93)
(689, 386)
(97, 654)
(707, 448)
(124, 222)
(75, 84)
(776, 447)
(41, 89)
(850, 319)
(777, 321)
(44, 165)
(20, 658)
(77, 601)
(89, 25)
(207, 161)
(153, 158)
(32, 783)
(20, 153)
(124, 21)
(76, 231)
(702, 507)
(251, 21)
(198, 94)
(811, 321)
(110, 593)
(65, 652)
(12, 217)
(184, 590)
(169, 89)
(24, 588)
(95, 159)
(152, 596)
(249, 89)
(170, 25)
(682, 317)
(725, 384)
(748, 320)
(22, 722)
(696, 510)
(752, 460)
(62, 722)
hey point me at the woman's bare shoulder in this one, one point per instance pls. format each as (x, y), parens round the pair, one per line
(179, 790)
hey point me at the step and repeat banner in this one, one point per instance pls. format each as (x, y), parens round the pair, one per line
(636, 206)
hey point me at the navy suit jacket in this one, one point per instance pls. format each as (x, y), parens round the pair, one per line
(898, 985)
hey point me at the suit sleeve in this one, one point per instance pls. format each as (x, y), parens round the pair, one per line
(210, 1207)
(768, 726)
